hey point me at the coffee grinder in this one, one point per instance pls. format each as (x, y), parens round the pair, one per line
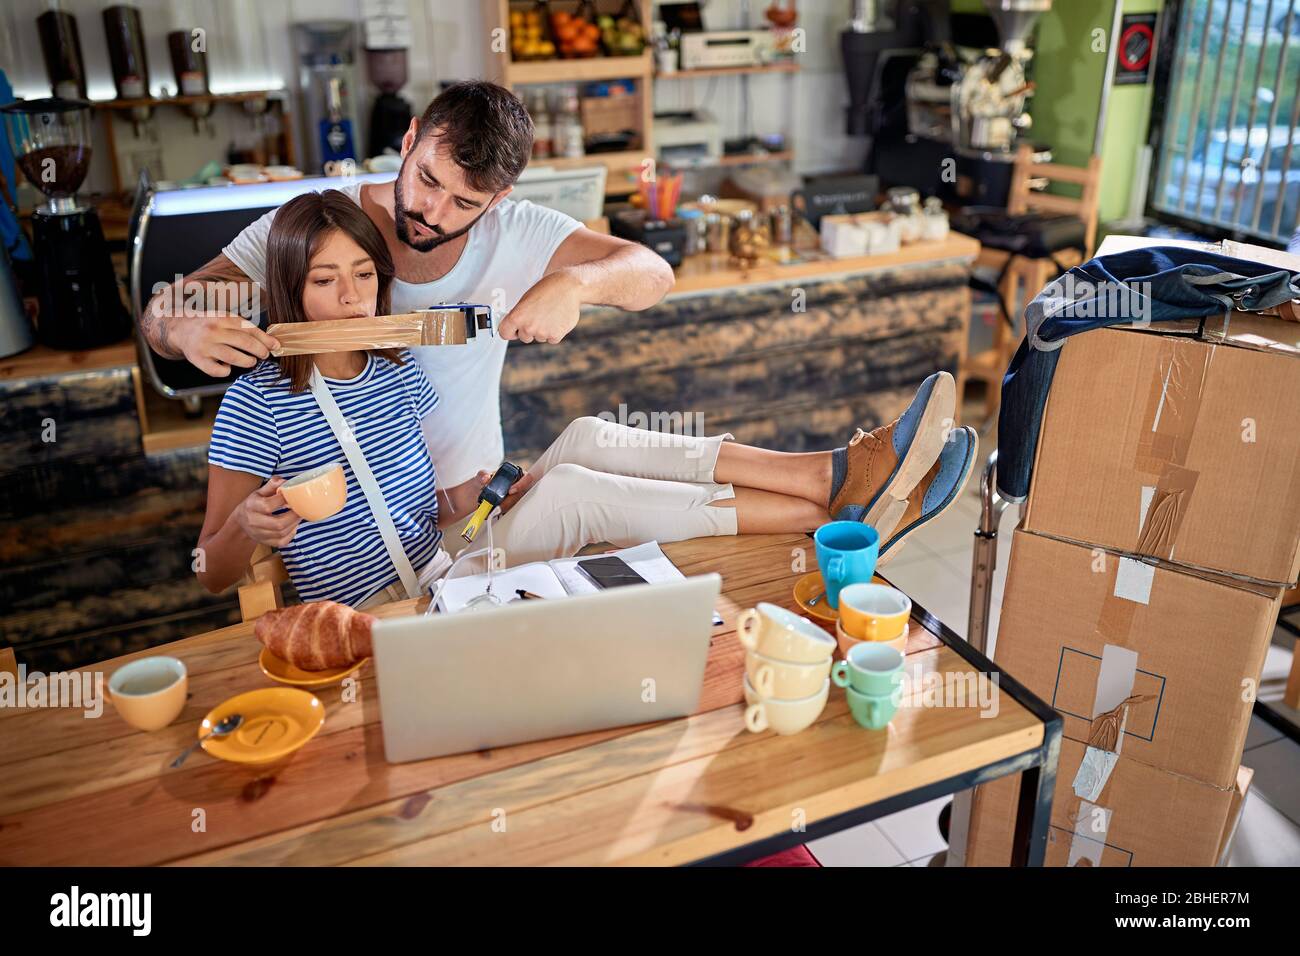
(391, 115)
(81, 307)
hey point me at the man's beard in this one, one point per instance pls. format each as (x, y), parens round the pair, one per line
(401, 219)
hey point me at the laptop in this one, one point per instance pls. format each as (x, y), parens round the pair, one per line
(531, 670)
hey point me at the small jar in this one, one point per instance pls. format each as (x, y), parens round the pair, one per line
(782, 225)
(695, 226)
(935, 219)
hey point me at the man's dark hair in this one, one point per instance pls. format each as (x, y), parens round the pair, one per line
(486, 130)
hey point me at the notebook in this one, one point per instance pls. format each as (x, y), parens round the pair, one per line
(558, 578)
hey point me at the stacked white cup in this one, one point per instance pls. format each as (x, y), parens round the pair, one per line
(787, 667)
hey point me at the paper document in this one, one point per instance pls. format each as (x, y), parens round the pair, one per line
(559, 578)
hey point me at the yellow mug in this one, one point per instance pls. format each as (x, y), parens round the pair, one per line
(874, 612)
(149, 693)
(846, 642)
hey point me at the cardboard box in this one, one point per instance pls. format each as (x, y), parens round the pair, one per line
(1173, 448)
(1244, 777)
(1141, 816)
(1152, 662)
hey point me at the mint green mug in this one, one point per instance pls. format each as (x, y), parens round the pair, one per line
(872, 668)
(871, 711)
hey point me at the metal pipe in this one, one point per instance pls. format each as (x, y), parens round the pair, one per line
(1240, 200)
(1192, 126)
(1108, 80)
(1272, 116)
(1232, 121)
(984, 561)
(1214, 108)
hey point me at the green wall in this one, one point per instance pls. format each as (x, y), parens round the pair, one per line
(1128, 116)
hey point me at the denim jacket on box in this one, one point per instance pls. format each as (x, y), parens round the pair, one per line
(1140, 287)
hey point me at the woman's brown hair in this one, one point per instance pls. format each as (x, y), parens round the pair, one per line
(299, 228)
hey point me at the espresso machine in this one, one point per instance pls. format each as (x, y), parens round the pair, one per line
(940, 92)
(81, 307)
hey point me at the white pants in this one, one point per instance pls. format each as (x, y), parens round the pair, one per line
(603, 482)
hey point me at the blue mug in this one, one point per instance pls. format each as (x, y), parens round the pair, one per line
(846, 553)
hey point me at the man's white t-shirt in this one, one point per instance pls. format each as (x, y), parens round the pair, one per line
(506, 254)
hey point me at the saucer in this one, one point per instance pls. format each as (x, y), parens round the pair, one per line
(809, 586)
(285, 673)
(277, 721)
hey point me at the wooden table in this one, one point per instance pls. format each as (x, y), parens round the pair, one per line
(84, 791)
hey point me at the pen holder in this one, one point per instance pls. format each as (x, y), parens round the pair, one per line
(667, 237)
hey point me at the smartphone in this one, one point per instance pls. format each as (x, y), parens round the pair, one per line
(609, 572)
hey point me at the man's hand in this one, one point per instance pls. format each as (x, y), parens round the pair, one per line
(547, 312)
(257, 516)
(214, 342)
(526, 481)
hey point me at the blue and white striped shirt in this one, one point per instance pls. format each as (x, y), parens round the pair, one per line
(265, 430)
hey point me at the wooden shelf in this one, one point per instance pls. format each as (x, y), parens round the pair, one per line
(186, 100)
(40, 361)
(577, 70)
(618, 165)
(618, 160)
(739, 159)
(791, 66)
(507, 72)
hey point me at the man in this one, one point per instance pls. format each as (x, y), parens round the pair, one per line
(455, 236)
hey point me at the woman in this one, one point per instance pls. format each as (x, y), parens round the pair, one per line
(598, 482)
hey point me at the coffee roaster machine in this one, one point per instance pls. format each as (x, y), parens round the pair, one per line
(943, 97)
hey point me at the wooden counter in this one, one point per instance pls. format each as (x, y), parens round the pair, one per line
(710, 272)
(103, 487)
(713, 272)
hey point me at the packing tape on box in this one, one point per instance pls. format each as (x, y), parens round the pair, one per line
(1111, 701)
(1173, 407)
(1088, 838)
(1113, 695)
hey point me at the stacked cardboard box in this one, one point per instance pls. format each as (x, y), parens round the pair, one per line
(1162, 527)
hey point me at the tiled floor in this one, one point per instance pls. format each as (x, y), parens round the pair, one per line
(935, 569)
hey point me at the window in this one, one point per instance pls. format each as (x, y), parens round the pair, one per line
(1229, 149)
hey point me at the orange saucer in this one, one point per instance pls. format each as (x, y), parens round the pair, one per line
(809, 586)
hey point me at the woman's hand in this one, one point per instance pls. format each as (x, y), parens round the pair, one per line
(526, 481)
(257, 516)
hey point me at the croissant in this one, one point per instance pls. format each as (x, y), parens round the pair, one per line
(316, 636)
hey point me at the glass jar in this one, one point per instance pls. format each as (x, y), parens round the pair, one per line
(543, 129)
(696, 231)
(935, 219)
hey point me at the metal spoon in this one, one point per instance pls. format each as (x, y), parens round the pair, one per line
(223, 727)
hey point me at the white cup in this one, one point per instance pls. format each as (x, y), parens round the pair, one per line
(777, 633)
(782, 679)
(783, 716)
(149, 693)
